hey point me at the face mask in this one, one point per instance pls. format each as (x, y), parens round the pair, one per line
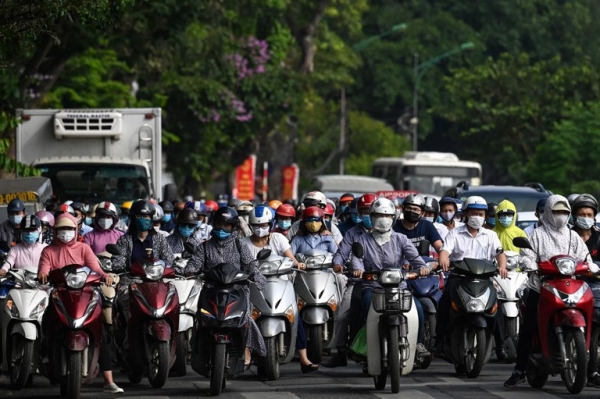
(560, 220)
(355, 218)
(167, 217)
(185, 231)
(447, 216)
(66, 236)
(505, 221)
(260, 231)
(30, 237)
(343, 208)
(571, 221)
(366, 219)
(382, 225)
(439, 219)
(429, 219)
(284, 224)
(220, 234)
(200, 224)
(88, 221)
(156, 228)
(143, 224)
(105, 223)
(492, 222)
(313, 227)
(411, 217)
(584, 223)
(15, 219)
(476, 222)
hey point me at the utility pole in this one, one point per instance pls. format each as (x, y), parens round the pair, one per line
(342, 129)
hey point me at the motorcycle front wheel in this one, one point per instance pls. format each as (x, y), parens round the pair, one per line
(574, 375)
(158, 363)
(217, 375)
(73, 378)
(475, 352)
(22, 360)
(315, 343)
(394, 358)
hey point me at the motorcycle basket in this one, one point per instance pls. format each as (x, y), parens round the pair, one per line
(397, 300)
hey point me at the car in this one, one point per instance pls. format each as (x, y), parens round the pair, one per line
(524, 197)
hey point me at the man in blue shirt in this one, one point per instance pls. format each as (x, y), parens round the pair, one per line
(414, 226)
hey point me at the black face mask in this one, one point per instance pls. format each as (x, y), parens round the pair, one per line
(411, 217)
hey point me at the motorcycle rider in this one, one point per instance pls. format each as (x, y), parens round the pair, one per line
(318, 199)
(243, 209)
(157, 220)
(66, 250)
(26, 253)
(353, 218)
(168, 221)
(284, 216)
(470, 240)
(506, 225)
(104, 231)
(47, 219)
(431, 213)
(552, 238)
(80, 214)
(448, 211)
(202, 232)
(490, 221)
(539, 211)
(124, 216)
(313, 233)
(414, 226)
(226, 247)
(344, 203)
(187, 220)
(10, 230)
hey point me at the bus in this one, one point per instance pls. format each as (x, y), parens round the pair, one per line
(427, 172)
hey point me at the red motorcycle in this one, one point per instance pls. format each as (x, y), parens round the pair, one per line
(73, 328)
(565, 316)
(149, 312)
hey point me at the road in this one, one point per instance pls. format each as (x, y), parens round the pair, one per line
(439, 382)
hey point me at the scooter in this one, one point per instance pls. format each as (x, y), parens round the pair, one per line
(151, 324)
(565, 320)
(21, 323)
(72, 328)
(392, 326)
(468, 341)
(507, 290)
(218, 344)
(318, 297)
(275, 311)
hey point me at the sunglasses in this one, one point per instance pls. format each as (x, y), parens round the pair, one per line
(312, 219)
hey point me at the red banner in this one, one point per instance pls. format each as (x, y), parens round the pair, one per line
(245, 179)
(289, 182)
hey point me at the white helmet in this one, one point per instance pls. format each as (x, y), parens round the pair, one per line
(159, 214)
(244, 207)
(315, 198)
(475, 202)
(261, 214)
(383, 206)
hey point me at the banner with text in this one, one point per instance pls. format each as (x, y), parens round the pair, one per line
(289, 182)
(245, 179)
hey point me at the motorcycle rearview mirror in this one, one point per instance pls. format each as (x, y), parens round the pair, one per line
(263, 254)
(4, 246)
(499, 250)
(522, 242)
(113, 249)
(358, 250)
(423, 247)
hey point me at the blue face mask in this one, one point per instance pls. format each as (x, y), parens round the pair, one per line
(200, 224)
(30, 237)
(143, 224)
(88, 221)
(492, 222)
(439, 219)
(343, 208)
(505, 221)
(220, 234)
(284, 224)
(186, 231)
(355, 218)
(15, 219)
(366, 219)
(167, 217)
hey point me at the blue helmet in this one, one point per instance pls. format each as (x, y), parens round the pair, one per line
(199, 207)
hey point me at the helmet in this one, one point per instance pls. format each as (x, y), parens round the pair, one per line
(222, 200)
(585, 201)
(261, 214)
(572, 198)
(244, 207)
(274, 204)
(416, 200)
(187, 216)
(365, 201)
(352, 208)
(492, 208)
(31, 222)
(313, 212)
(448, 200)
(126, 206)
(198, 206)
(431, 205)
(167, 206)
(79, 206)
(541, 204)
(141, 207)
(226, 215)
(315, 198)
(233, 202)
(64, 208)
(106, 208)
(45, 217)
(475, 202)
(286, 210)
(383, 206)
(329, 210)
(178, 206)
(159, 214)
(16, 205)
(346, 197)
(396, 200)
(211, 205)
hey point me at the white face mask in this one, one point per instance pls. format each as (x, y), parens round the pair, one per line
(260, 231)
(66, 236)
(382, 224)
(584, 223)
(105, 223)
(447, 216)
(560, 220)
(476, 222)
(429, 219)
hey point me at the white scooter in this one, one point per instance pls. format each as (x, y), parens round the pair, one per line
(21, 319)
(275, 311)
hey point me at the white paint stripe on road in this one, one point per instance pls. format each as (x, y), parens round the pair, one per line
(268, 395)
(526, 392)
(404, 394)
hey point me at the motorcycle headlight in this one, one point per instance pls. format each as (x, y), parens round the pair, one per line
(39, 309)
(30, 280)
(475, 306)
(11, 308)
(155, 270)
(512, 262)
(391, 277)
(315, 262)
(499, 290)
(270, 267)
(76, 280)
(566, 266)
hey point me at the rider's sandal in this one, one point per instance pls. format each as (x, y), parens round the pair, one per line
(308, 368)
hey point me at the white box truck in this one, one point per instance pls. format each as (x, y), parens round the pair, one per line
(94, 154)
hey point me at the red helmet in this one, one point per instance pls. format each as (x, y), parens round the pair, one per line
(212, 205)
(286, 210)
(329, 210)
(366, 200)
(312, 212)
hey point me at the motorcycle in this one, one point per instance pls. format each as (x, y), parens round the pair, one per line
(318, 297)
(72, 328)
(565, 320)
(21, 324)
(275, 311)
(218, 344)
(392, 326)
(468, 341)
(151, 323)
(594, 284)
(507, 290)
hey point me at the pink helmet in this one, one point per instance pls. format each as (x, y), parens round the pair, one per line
(45, 217)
